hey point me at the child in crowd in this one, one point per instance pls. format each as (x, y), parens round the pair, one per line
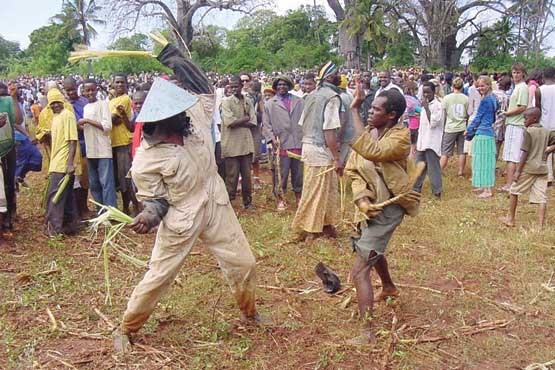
(62, 216)
(531, 173)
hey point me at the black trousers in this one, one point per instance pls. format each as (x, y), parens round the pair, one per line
(62, 217)
(235, 166)
(9, 162)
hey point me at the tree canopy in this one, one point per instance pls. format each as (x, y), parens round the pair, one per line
(433, 34)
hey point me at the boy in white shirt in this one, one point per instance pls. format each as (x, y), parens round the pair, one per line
(96, 125)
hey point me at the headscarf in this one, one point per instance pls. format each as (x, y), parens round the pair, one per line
(282, 78)
(328, 69)
(54, 95)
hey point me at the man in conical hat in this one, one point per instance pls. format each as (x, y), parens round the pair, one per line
(176, 177)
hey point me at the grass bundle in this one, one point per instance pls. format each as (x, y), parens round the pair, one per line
(62, 185)
(113, 220)
(76, 56)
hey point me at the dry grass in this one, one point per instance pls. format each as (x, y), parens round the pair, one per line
(471, 264)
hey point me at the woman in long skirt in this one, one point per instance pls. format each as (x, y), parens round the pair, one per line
(483, 147)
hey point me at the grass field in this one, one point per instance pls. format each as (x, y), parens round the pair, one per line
(474, 295)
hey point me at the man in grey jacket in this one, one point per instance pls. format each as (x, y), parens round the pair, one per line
(281, 128)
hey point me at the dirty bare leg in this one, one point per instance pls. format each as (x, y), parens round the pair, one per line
(388, 287)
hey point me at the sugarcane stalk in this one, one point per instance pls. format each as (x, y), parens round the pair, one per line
(108, 299)
(293, 155)
(62, 185)
(279, 190)
(325, 171)
(419, 168)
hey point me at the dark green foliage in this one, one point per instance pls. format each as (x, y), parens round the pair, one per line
(266, 41)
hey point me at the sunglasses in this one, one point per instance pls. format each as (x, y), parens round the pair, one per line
(245, 80)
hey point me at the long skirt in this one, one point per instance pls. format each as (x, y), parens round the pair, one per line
(319, 200)
(483, 161)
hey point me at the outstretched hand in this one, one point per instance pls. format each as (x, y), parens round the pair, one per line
(359, 97)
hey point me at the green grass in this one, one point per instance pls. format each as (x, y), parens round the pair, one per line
(455, 245)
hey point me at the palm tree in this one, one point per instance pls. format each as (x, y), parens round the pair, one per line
(78, 16)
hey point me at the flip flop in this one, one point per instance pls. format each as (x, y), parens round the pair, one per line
(330, 280)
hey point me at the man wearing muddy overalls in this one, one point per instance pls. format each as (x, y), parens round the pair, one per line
(176, 177)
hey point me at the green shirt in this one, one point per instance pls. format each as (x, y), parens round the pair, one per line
(7, 140)
(535, 140)
(455, 106)
(519, 97)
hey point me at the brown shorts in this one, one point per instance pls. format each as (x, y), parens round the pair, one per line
(536, 184)
(122, 165)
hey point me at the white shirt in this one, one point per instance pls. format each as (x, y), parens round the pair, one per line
(474, 99)
(430, 132)
(388, 87)
(548, 106)
(97, 141)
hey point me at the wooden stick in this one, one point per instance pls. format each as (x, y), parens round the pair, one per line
(103, 317)
(61, 361)
(281, 288)
(533, 301)
(54, 326)
(503, 305)
(537, 366)
(466, 332)
(48, 272)
(435, 291)
(392, 343)
(84, 335)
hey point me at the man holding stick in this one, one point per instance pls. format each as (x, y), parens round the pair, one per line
(176, 177)
(382, 191)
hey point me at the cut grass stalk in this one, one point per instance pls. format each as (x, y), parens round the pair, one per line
(109, 214)
(62, 185)
(293, 155)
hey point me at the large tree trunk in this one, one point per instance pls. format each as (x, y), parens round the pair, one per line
(350, 48)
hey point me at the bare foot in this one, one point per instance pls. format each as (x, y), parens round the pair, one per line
(507, 222)
(122, 342)
(330, 231)
(485, 195)
(258, 320)
(364, 339)
(388, 292)
(310, 237)
(503, 189)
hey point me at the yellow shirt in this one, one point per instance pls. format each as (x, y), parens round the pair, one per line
(64, 130)
(120, 135)
(45, 120)
(389, 154)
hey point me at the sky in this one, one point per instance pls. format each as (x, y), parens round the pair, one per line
(18, 22)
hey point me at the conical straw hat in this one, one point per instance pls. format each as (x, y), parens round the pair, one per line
(164, 100)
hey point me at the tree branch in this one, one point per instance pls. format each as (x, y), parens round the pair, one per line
(337, 9)
(490, 4)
